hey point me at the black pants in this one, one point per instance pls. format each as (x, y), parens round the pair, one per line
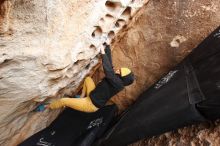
(73, 128)
(188, 94)
(206, 62)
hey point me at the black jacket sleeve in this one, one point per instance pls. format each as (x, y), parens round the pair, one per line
(109, 54)
(110, 74)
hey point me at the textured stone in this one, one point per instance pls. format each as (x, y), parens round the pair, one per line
(47, 47)
(158, 37)
(5, 8)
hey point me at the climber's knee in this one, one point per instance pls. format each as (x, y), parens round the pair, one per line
(88, 78)
(89, 81)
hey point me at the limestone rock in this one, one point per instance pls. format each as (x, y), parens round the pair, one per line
(46, 48)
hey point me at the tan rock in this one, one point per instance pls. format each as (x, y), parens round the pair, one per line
(5, 8)
(160, 35)
(46, 49)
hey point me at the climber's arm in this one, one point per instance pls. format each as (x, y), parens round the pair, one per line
(109, 72)
(108, 53)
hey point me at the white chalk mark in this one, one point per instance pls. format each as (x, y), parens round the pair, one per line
(177, 40)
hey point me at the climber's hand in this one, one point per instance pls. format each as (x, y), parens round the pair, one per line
(108, 41)
(102, 49)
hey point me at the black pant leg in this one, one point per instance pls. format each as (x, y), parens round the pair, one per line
(205, 60)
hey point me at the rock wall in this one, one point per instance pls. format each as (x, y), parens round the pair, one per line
(47, 47)
(158, 37)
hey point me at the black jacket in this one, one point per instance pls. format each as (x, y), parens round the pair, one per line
(110, 85)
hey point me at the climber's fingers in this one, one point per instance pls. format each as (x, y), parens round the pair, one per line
(108, 41)
(102, 49)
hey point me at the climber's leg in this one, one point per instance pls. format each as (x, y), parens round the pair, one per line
(80, 104)
(88, 86)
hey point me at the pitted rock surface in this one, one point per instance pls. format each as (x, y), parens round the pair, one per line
(47, 47)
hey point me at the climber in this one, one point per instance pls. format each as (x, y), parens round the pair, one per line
(97, 96)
